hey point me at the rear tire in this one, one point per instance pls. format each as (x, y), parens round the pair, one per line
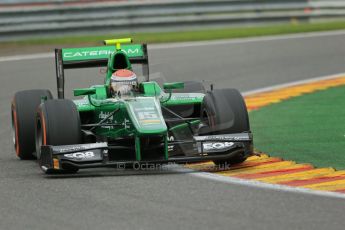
(58, 123)
(23, 113)
(224, 111)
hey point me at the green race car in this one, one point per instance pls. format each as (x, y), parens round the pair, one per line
(129, 120)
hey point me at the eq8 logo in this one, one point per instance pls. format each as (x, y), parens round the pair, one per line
(217, 145)
(81, 155)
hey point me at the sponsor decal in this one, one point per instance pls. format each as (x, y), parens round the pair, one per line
(150, 122)
(126, 123)
(81, 155)
(96, 53)
(185, 98)
(147, 115)
(225, 137)
(77, 148)
(103, 115)
(188, 96)
(171, 147)
(102, 52)
(144, 109)
(216, 145)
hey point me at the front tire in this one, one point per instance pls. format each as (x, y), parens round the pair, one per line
(224, 112)
(57, 123)
(23, 112)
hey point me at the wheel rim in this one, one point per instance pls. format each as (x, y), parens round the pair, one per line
(14, 130)
(39, 137)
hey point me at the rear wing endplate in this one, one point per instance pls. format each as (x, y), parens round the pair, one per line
(87, 57)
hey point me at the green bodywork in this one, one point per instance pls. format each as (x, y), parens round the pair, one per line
(137, 115)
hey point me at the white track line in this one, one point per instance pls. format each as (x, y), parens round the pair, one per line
(198, 43)
(26, 57)
(248, 40)
(261, 185)
(253, 183)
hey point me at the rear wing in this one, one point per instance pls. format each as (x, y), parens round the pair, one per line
(87, 57)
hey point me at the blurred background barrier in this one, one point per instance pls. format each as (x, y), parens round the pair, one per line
(20, 19)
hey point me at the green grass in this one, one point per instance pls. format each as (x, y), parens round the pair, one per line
(307, 129)
(197, 35)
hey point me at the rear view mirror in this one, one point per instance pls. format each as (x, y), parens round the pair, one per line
(173, 85)
(83, 92)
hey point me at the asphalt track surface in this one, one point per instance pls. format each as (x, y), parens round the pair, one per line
(110, 199)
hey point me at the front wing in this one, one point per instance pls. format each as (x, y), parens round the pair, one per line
(94, 155)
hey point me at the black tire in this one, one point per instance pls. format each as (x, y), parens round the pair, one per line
(192, 87)
(58, 123)
(23, 112)
(224, 111)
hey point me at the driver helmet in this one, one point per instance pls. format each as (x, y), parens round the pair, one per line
(123, 82)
